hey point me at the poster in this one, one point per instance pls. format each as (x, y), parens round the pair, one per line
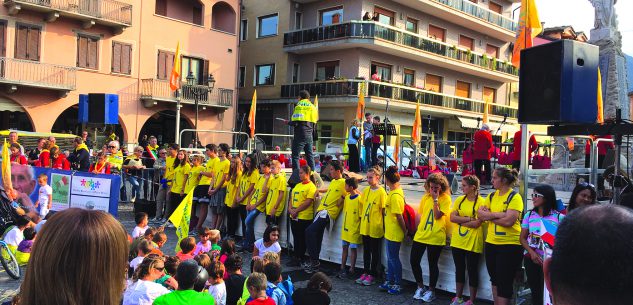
(91, 203)
(60, 184)
(90, 186)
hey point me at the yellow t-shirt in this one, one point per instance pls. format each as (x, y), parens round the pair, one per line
(352, 215)
(373, 202)
(329, 202)
(245, 183)
(194, 178)
(467, 238)
(219, 169)
(278, 183)
(169, 167)
(499, 235)
(179, 178)
(204, 180)
(432, 231)
(394, 206)
(231, 190)
(259, 189)
(300, 193)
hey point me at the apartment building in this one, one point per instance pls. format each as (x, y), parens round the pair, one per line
(53, 51)
(451, 56)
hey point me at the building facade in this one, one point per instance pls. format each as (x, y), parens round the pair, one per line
(451, 56)
(55, 51)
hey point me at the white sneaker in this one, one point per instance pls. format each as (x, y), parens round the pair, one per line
(429, 296)
(419, 293)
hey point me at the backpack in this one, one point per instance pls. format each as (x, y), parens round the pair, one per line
(507, 202)
(409, 219)
(287, 288)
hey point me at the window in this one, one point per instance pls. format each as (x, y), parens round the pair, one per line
(409, 77)
(198, 67)
(3, 38)
(490, 95)
(267, 25)
(384, 16)
(462, 89)
(244, 30)
(121, 58)
(27, 42)
(165, 64)
(433, 83)
(327, 70)
(332, 15)
(295, 73)
(298, 20)
(185, 10)
(241, 76)
(87, 51)
(411, 25)
(383, 71)
(437, 33)
(466, 42)
(492, 51)
(265, 75)
(222, 17)
(497, 8)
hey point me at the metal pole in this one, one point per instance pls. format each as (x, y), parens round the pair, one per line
(196, 100)
(525, 152)
(178, 92)
(384, 159)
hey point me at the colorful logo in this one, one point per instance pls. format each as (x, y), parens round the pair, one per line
(90, 184)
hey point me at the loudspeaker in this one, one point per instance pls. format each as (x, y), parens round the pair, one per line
(558, 83)
(103, 108)
(83, 108)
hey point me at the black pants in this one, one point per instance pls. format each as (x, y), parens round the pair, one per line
(466, 260)
(534, 274)
(298, 228)
(242, 211)
(232, 219)
(486, 173)
(417, 251)
(314, 236)
(374, 154)
(371, 254)
(502, 262)
(272, 220)
(368, 154)
(354, 161)
(174, 201)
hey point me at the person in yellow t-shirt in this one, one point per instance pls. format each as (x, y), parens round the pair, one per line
(250, 175)
(172, 151)
(371, 226)
(232, 187)
(350, 235)
(217, 187)
(181, 172)
(201, 192)
(327, 212)
(431, 233)
(301, 211)
(277, 194)
(502, 210)
(395, 231)
(194, 173)
(467, 241)
(257, 204)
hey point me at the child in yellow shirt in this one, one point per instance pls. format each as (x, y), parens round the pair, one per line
(301, 211)
(371, 226)
(232, 188)
(257, 203)
(277, 194)
(350, 235)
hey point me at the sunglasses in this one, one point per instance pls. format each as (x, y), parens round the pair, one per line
(111, 146)
(537, 195)
(160, 269)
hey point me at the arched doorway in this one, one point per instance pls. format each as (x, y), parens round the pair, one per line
(162, 125)
(13, 116)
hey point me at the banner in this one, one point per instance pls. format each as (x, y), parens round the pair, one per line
(70, 188)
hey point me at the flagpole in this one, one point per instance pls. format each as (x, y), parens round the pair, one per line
(178, 93)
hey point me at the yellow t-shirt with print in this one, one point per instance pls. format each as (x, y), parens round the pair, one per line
(373, 202)
(432, 231)
(300, 193)
(352, 215)
(179, 178)
(329, 201)
(464, 238)
(498, 235)
(208, 167)
(220, 168)
(194, 178)
(278, 183)
(245, 183)
(394, 206)
(169, 168)
(262, 183)
(231, 190)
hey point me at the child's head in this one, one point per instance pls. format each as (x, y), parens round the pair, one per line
(264, 166)
(271, 257)
(22, 221)
(321, 282)
(212, 150)
(42, 179)
(216, 270)
(187, 245)
(351, 184)
(275, 167)
(171, 264)
(224, 150)
(144, 248)
(272, 271)
(373, 176)
(141, 219)
(214, 236)
(160, 239)
(29, 233)
(256, 283)
(203, 260)
(150, 233)
(203, 234)
(271, 234)
(258, 264)
(228, 247)
(233, 263)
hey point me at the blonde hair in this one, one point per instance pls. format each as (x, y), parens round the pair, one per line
(257, 280)
(214, 236)
(375, 169)
(275, 163)
(271, 257)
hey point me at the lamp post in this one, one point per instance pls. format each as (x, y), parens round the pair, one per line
(197, 94)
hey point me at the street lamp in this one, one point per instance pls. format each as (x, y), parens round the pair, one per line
(198, 93)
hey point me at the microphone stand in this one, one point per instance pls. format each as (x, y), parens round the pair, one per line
(494, 141)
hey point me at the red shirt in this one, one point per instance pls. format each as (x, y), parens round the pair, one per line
(61, 162)
(483, 145)
(516, 153)
(20, 159)
(267, 301)
(103, 168)
(45, 159)
(603, 146)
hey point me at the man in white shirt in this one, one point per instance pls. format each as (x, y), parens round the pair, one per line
(15, 236)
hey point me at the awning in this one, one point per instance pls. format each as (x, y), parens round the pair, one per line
(6, 105)
(472, 123)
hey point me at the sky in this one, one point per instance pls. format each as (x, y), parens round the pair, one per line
(580, 15)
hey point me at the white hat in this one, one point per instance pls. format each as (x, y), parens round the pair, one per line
(484, 126)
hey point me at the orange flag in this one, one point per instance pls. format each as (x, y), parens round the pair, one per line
(396, 151)
(361, 102)
(600, 118)
(316, 105)
(529, 27)
(431, 155)
(417, 125)
(174, 78)
(251, 114)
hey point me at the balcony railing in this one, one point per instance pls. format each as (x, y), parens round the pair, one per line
(107, 10)
(372, 30)
(158, 90)
(394, 92)
(481, 13)
(37, 74)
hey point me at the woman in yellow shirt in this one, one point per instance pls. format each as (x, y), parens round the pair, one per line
(250, 175)
(502, 210)
(232, 187)
(431, 233)
(395, 231)
(301, 211)
(257, 204)
(467, 241)
(181, 169)
(217, 188)
(371, 226)
(276, 194)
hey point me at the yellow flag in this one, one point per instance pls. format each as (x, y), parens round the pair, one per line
(486, 109)
(316, 105)
(529, 27)
(600, 118)
(181, 218)
(345, 148)
(417, 125)
(252, 113)
(432, 153)
(6, 168)
(174, 78)
(361, 102)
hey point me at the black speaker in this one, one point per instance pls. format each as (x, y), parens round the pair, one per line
(558, 83)
(103, 108)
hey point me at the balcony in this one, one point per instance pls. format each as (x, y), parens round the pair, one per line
(156, 90)
(17, 72)
(401, 94)
(111, 13)
(391, 40)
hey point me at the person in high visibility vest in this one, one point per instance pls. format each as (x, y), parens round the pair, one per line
(303, 120)
(115, 157)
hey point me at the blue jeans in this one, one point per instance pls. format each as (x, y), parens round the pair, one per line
(367, 160)
(394, 266)
(250, 227)
(314, 236)
(136, 186)
(300, 143)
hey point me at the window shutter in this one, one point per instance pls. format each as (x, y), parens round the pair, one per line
(169, 64)
(462, 89)
(126, 59)
(33, 45)
(116, 57)
(82, 52)
(92, 53)
(3, 36)
(205, 72)
(162, 66)
(21, 42)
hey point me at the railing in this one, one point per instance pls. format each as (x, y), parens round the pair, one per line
(481, 13)
(395, 92)
(37, 74)
(372, 30)
(156, 89)
(109, 10)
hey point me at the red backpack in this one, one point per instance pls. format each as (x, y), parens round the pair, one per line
(409, 219)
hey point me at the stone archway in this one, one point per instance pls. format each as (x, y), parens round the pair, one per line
(162, 125)
(14, 116)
